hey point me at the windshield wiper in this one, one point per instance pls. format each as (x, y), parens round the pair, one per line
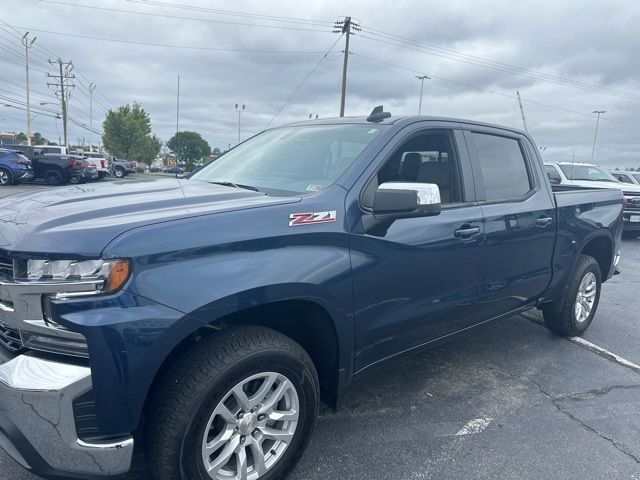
(236, 185)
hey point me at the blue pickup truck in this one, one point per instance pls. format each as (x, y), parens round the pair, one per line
(201, 320)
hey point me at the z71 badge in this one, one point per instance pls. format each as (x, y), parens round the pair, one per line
(312, 217)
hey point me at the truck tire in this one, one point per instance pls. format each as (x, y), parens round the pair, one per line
(5, 177)
(244, 400)
(53, 177)
(581, 302)
(119, 172)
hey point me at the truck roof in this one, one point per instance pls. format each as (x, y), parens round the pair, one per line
(401, 120)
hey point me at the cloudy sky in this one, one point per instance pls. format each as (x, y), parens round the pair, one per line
(567, 58)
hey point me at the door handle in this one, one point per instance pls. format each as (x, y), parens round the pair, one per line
(466, 231)
(543, 221)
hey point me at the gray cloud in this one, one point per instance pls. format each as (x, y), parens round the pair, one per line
(589, 41)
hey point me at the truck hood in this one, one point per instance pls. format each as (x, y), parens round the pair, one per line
(81, 220)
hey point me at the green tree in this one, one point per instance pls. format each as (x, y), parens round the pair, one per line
(216, 152)
(189, 147)
(147, 150)
(38, 139)
(127, 132)
(21, 137)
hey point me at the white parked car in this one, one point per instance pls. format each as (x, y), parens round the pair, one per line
(593, 176)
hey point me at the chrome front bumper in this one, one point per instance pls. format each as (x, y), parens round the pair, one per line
(37, 426)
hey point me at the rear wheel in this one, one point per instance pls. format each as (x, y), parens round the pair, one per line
(5, 177)
(240, 405)
(119, 173)
(53, 177)
(581, 302)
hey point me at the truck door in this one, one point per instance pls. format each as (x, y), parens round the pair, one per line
(417, 280)
(519, 218)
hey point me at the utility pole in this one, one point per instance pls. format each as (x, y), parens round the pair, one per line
(524, 120)
(27, 45)
(178, 108)
(421, 78)
(595, 136)
(92, 87)
(239, 110)
(63, 89)
(347, 27)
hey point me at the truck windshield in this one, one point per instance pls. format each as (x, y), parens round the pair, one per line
(300, 159)
(587, 172)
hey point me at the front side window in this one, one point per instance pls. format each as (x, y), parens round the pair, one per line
(636, 176)
(425, 158)
(300, 159)
(503, 166)
(590, 173)
(552, 173)
(623, 178)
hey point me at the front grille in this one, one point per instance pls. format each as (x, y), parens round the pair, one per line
(10, 338)
(6, 266)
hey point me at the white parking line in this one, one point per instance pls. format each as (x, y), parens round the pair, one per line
(603, 352)
(475, 426)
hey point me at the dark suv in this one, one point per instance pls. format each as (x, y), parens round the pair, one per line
(14, 167)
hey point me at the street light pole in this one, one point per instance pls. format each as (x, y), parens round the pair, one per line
(92, 87)
(27, 45)
(239, 110)
(421, 78)
(595, 136)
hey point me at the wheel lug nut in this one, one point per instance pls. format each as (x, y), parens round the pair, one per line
(261, 418)
(240, 415)
(242, 440)
(256, 433)
(254, 409)
(235, 431)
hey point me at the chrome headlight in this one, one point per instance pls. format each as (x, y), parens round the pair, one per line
(111, 274)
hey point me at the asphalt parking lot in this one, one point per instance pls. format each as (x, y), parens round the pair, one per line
(508, 400)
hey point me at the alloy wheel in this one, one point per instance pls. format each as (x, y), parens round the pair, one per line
(251, 428)
(586, 297)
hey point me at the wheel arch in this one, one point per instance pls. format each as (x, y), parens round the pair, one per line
(307, 322)
(600, 246)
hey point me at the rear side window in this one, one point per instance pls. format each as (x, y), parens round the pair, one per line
(503, 167)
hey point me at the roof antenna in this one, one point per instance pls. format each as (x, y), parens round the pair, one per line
(378, 114)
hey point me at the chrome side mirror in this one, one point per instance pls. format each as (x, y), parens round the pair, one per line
(406, 200)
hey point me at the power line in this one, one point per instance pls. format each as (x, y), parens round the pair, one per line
(455, 82)
(304, 80)
(163, 15)
(232, 13)
(166, 45)
(422, 47)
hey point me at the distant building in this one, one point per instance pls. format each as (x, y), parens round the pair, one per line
(9, 137)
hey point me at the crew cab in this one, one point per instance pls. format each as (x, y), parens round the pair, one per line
(588, 175)
(206, 317)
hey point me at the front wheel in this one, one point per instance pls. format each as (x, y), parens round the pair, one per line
(581, 302)
(5, 177)
(248, 415)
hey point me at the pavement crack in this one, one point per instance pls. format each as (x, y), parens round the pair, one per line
(595, 393)
(555, 402)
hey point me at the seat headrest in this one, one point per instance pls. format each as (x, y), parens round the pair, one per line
(411, 166)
